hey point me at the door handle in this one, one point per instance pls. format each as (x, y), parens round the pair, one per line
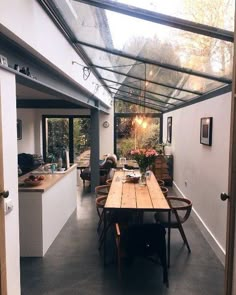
(4, 194)
(224, 196)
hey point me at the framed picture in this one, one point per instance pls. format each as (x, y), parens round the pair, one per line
(169, 129)
(206, 131)
(19, 129)
(3, 60)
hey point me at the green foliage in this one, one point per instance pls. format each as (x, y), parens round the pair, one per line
(131, 135)
(125, 145)
(82, 139)
(58, 136)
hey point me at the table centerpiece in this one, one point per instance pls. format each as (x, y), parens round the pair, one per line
(145, 158)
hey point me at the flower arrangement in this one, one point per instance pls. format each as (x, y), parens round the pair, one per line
(144, 157)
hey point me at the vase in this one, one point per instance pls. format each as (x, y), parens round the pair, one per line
(142, 180)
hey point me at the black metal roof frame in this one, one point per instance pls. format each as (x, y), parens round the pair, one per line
(149, 16)
(146, 91)
(147, 80)
(155, 63)
(137, 102)
(143, 96)
(161, 19)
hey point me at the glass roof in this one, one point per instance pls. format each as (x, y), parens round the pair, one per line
(221, 12)
(147, 61)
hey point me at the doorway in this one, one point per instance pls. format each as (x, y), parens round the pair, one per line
(65, 133)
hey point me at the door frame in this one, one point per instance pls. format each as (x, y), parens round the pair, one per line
(3, 268)
(230, 261)
(71, 131)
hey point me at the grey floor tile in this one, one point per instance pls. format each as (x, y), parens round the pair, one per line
(74, 266)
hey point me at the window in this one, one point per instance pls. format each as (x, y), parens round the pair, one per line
(61, 133)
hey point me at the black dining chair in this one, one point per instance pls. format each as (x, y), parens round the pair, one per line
(180, 212)
(142, 240)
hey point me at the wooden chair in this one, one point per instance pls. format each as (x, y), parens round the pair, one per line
(112, 217)
(161, 182)
(145, 240)
(101, 192)
(109, 181)
(181, 209)
(164, 190)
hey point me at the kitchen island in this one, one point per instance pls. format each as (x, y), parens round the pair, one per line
(44, 210)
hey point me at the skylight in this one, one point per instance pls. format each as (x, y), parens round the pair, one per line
(173, 51)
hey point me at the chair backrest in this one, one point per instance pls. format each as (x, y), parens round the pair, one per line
(161, 182)
(109, 181)
(145, 240)
(182, 206)
(164, 190)
(100, 201)
(102, 190)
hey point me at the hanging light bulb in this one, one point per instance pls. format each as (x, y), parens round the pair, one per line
(140, 120)
(144, 124)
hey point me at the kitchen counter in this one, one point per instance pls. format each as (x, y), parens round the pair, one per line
(44, 210)
(50, 180)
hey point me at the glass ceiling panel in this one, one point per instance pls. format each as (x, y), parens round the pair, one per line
(152, 41)
(167, 64)
(141, 107)
(123, 107)
(154, 74)
(220, 12)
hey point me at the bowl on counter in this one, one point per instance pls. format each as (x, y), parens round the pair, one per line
(34, 180)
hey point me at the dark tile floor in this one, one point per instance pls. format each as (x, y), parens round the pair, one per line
(74, 266)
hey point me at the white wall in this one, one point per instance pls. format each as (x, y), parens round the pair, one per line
(106, 134)
(9, 147)
(27, 143)
(201, 172)
(28, 24)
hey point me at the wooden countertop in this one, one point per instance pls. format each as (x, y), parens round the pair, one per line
(49, 181)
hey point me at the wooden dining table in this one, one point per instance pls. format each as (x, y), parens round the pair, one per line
(135, 198)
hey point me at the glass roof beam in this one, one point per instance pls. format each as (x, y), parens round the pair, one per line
(161, 19)
(138, 103)
(151, 92)
(146, 97)
(156, 63)
(149, 81)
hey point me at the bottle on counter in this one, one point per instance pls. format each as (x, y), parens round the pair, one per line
(59, 163)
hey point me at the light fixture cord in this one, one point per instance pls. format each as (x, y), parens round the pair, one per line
(145, 78)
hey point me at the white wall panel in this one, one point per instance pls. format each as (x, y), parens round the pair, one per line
(201, 172)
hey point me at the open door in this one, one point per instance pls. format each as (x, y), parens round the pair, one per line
(3, 194)
(230, 261)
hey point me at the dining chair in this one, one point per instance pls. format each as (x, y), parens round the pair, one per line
(180, 212)
(161, 182)
(101, 192)
(109, 181)
(164, 190)
(142, 240)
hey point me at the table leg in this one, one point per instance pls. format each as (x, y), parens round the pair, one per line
(168, 242)
(105, 236)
